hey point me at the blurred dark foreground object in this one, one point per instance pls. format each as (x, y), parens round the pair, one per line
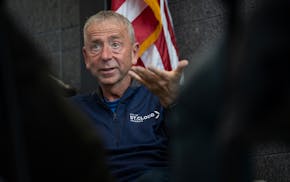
(42, 137)
(234, 99)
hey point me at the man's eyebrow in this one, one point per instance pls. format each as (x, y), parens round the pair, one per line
(116, 37)
(96, 41)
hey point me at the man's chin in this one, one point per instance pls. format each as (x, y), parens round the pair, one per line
(107, 81)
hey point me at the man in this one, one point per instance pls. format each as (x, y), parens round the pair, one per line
(128, 117)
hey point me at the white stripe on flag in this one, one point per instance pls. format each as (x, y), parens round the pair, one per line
(151, 57)
(169, 14)
(132, 9)
(171, 49)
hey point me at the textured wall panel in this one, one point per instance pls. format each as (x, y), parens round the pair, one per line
(198, 25)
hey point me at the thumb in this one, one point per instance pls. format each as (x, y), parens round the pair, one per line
(181, 65)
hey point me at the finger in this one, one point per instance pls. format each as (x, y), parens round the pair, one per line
(144, 73)
(134, 75)
(163, 73)
(181, 65)
(147, 82)
(136, 68)
(137, 77)
(159, 72)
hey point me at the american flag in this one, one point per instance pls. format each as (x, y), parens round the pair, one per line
(153, 27)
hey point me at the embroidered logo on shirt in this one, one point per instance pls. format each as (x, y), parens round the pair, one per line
(136, 118)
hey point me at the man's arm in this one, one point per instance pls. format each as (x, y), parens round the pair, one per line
(164, 84)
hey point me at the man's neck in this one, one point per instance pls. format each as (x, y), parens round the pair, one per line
(113, 92)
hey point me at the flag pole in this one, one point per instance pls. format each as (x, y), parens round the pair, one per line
(107, 4)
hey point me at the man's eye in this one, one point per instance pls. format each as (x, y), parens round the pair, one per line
(96, 47)
(115, 45)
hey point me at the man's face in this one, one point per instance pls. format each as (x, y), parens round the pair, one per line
(108, 51)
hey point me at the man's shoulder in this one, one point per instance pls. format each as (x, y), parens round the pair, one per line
(141, 94)
(139, 90)
(83, 97)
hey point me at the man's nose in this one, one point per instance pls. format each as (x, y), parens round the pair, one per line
(106, 52)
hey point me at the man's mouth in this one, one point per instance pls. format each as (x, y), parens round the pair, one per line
(107, 71)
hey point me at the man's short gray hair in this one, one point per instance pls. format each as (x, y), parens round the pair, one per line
(106, 15)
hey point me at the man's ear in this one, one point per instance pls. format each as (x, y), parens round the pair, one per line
(85, 54)
(135, 52)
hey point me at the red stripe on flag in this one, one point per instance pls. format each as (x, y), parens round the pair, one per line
(145, 19)
(170, 28)
(163, 51)
(139, 63)
(116, 4)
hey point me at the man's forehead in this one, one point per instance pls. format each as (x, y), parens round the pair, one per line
(107, 26)
(110, 21)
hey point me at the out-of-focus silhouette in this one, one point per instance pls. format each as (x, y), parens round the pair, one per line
(42, 137)
(235, 98)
